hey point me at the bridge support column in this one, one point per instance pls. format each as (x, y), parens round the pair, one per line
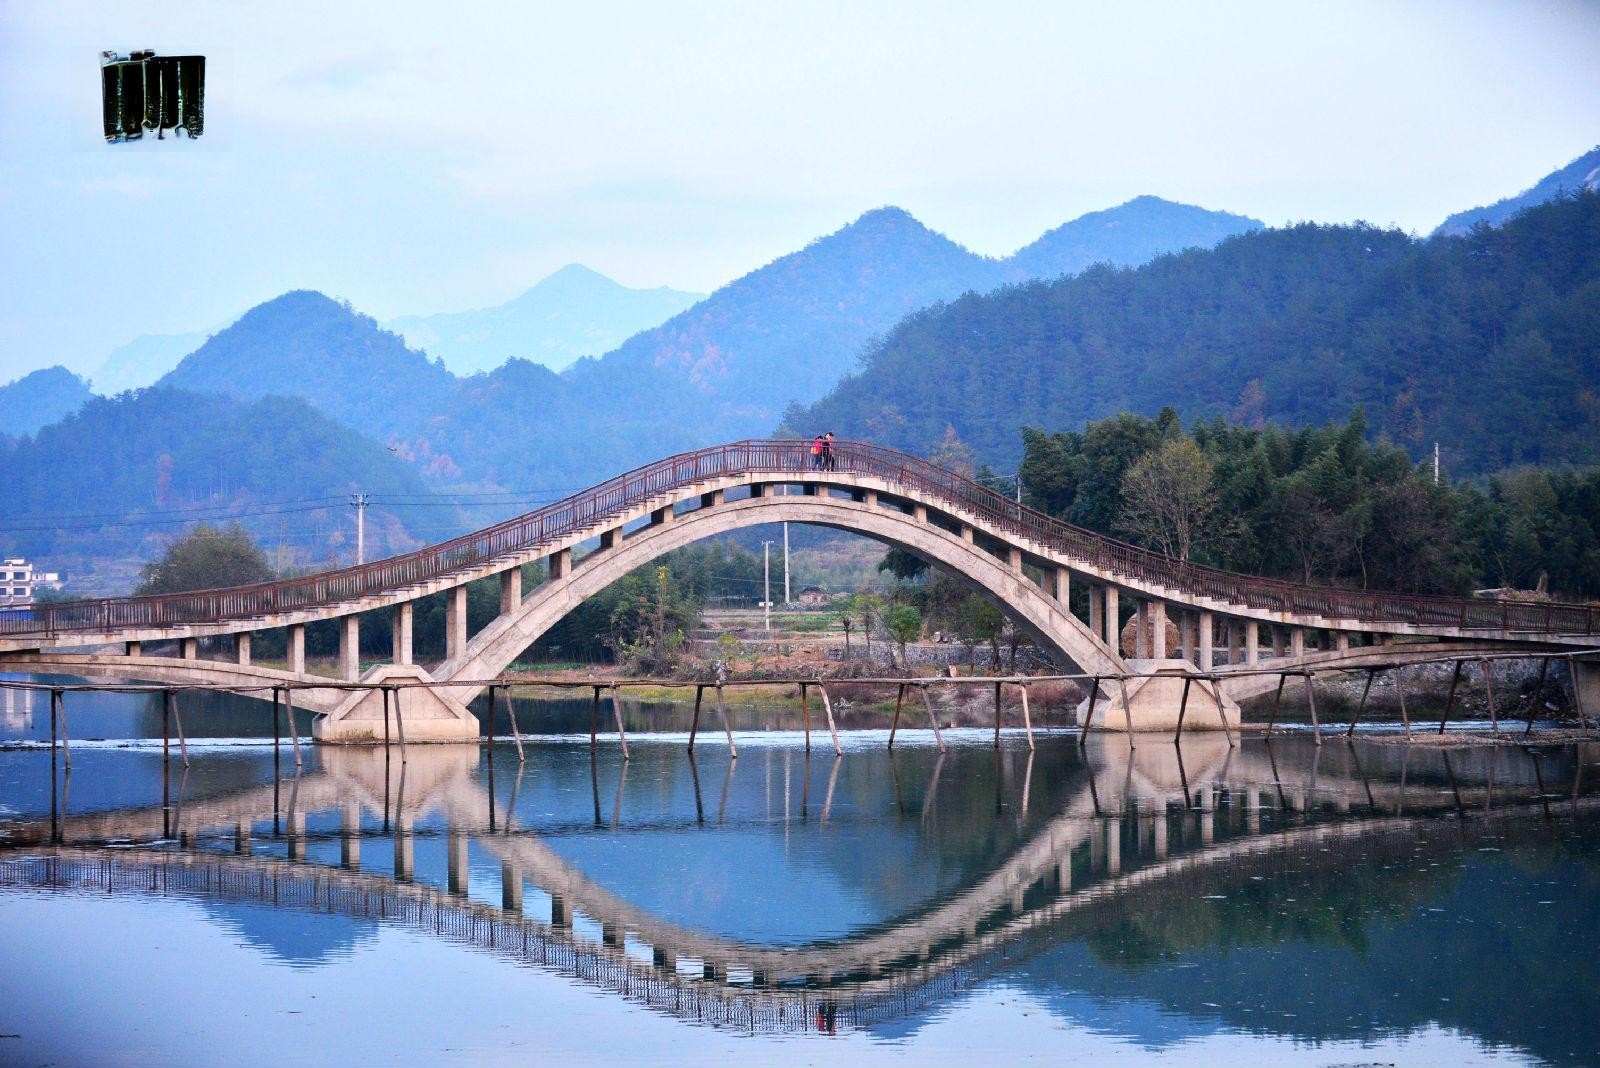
(455, 620)
(1297, 642)
(560, 563)
(189, 648)
(350, 648)
(350, 835)
(510, 888)
(1186, 635)
(1586, 687)
(456, 860)
(559, 916)
(241, 648)
(1207, 635)
(1097, 611)
(405, 850)
(297, 648)
(966, 533)
(1341, 641)
(1252, 641)
(660, 517)
(869, 498)
(132, 649)
(1158, 630)
(1113, 620)
(1063, 589)
(403, 615)
(919, 512)
(1014, 558)
(511, 589)
(714, 498)
(1277, 640)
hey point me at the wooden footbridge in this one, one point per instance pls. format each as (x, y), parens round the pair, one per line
(1069, 588)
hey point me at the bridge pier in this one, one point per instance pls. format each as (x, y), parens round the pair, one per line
(297, 648)
(511, 588)
(1155, 700)
(404, 616)
(455, 620)
(350, 648)
(241, 648)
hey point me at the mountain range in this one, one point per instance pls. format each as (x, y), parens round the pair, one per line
(574, 312)
(38, 399)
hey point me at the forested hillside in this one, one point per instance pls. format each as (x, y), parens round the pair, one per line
(39, 399)
(121, 476)
(1124, 236)
(304, 344)
(1488, 344)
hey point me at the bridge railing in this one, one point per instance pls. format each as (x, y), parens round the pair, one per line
(615, 496)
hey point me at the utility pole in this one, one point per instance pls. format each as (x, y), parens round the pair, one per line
(766, 571)
(358, 501)
(786, 598)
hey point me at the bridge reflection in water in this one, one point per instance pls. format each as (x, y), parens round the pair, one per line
(919, 874)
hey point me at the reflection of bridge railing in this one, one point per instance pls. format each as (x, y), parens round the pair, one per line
(583, 511)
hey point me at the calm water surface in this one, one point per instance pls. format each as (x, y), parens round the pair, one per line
(1280, 904)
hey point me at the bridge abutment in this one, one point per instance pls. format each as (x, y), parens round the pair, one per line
(1156, 701)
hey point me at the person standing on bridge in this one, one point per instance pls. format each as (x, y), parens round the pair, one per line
(817, 448)
(828, 461)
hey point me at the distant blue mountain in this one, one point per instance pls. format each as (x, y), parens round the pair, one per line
(36, 400)
(574, 312)
(1581, 173)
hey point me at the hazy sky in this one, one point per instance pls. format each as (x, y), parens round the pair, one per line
(420, 157)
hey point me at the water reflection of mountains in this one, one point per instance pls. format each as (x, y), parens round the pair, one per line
(1160, 895)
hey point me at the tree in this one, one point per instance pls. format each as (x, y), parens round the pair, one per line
(903, 565)
(1167, 497)
(905, 624)
(206, 558)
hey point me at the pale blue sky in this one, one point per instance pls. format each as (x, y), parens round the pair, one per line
(419, 157)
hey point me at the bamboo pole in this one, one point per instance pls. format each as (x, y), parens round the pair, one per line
(1027, 723)
(827, 706)
(1363, 704)
(894, 724)
(1311, 701)
(694, 724)
(616, 710)
(1183, 706)
(727, 727)
(1450, 698)
(1088, 715)
(927, 702)
(511, 714)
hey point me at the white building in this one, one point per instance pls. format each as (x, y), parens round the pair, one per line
(19, 582)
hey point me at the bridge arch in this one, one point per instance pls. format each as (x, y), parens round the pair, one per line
(1045, 618)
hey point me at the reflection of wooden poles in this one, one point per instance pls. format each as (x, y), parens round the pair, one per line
(1538, 694)
(177, 718)
(1088, 715)
(511, 714)
(1127, 708)
(400, 729)
(594, 718)
(1450, 698)
(894, 724)
(1363, 704)
(833, 779)
(927, 702)
(827, 706)
(616, 709)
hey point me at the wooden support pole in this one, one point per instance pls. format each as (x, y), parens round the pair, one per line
(400, 729)
(1027, 719)
(727, 727)
(1311, 702)
(1405, 717)
(511, 714)
(1277, 701)
(894, 724)
(1577, 693)
(616, 709)
(1222, 713)
(58, 710)
(827, 706)
(1183, 706)
(805, 714)
(594, 718)
(1088, 713)
(177, 718)
(927, 702)
(1538, 693)
(1450, 698)
(294, 734)
(997, 715)
(694, 724)
(385, 692)
(277, 726)
(1127, 708)
(1363, 704)
(1488, 689)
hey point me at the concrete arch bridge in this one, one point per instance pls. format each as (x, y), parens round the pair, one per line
(1069, 588)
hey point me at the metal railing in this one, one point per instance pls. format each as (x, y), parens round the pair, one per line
(997, 513)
